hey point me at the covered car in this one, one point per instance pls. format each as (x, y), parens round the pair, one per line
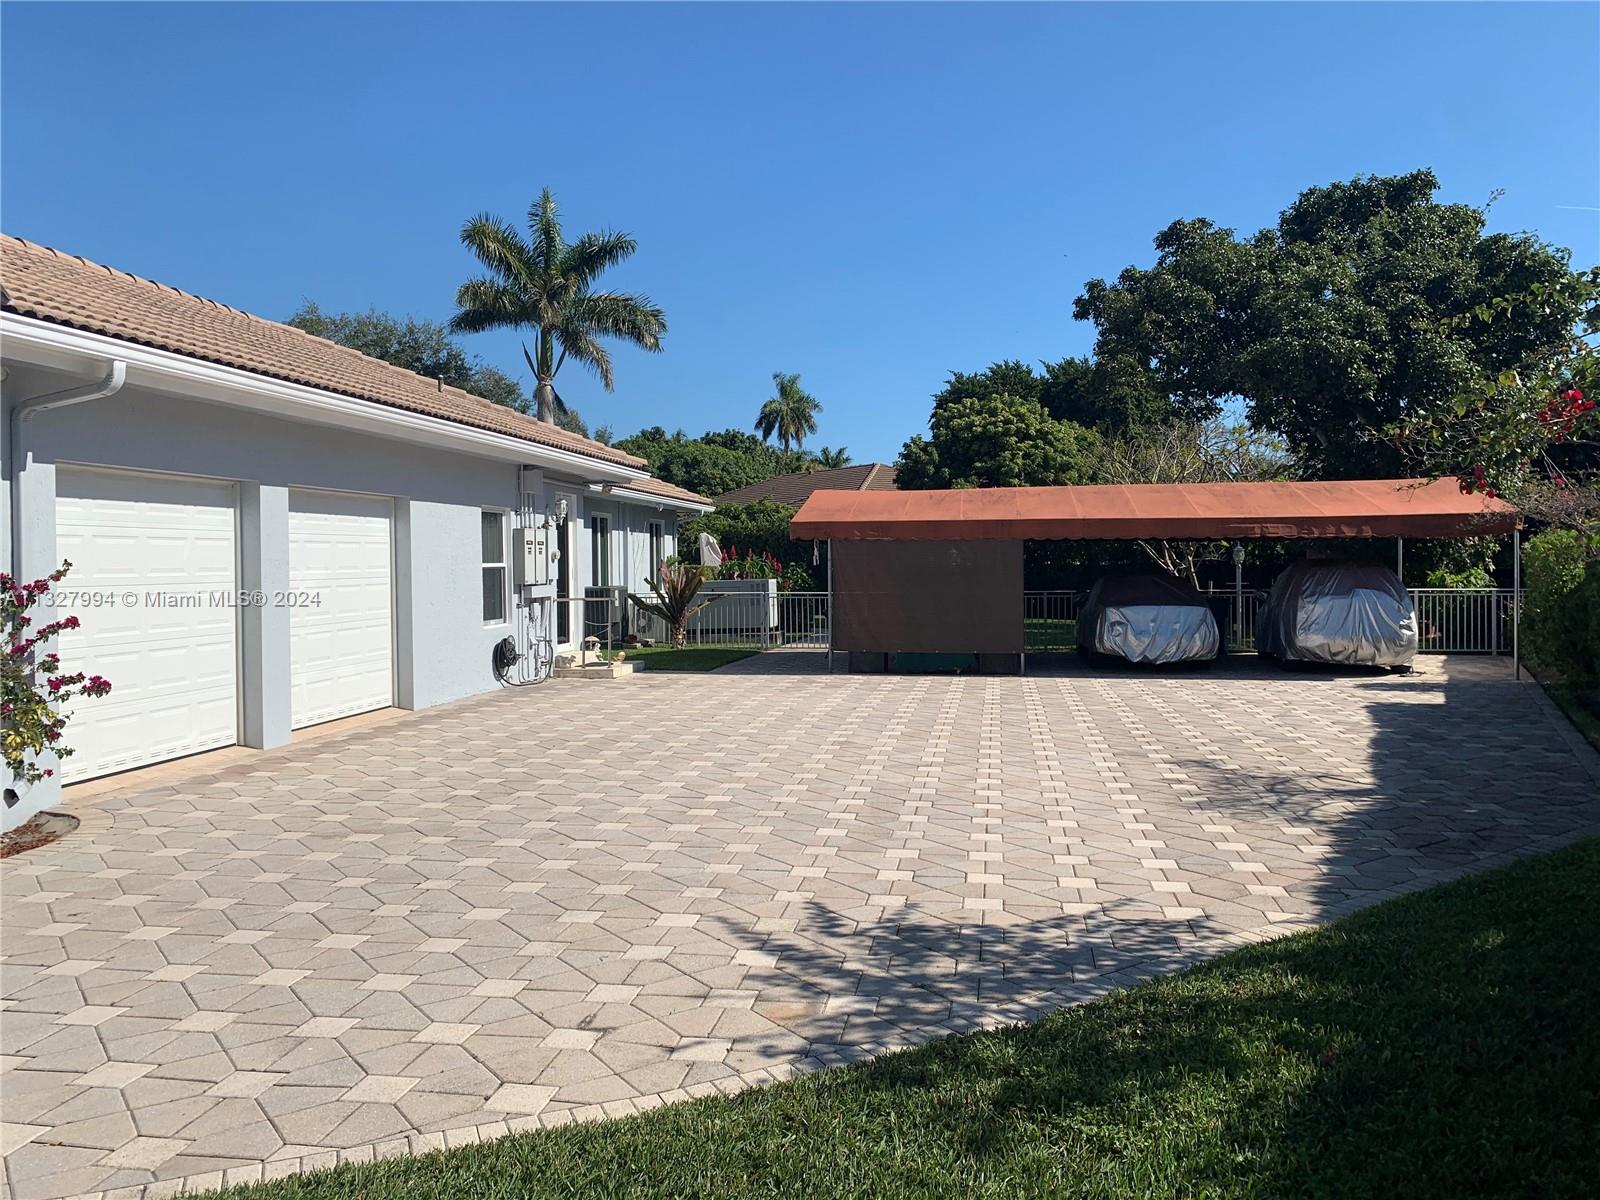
(1148, 619)
(1326, 611)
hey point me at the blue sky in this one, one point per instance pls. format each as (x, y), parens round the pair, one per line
(870, 195)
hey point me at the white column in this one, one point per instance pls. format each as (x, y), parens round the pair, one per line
(264, 627)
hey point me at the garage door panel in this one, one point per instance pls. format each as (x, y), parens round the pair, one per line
(164, 549)
(341, 627)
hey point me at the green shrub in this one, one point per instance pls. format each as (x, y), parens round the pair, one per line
(1469, 577)
(1562, 584)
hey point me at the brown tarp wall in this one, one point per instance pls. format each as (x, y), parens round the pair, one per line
(928, 597)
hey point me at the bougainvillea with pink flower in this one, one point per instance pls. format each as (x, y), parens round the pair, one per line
(1530, 433)
(34, 686)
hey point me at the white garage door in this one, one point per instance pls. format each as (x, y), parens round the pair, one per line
(340, 625)
(152, 582)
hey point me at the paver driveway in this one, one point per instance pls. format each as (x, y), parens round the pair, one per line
(585, 897)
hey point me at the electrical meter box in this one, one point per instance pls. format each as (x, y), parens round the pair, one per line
(530, 555)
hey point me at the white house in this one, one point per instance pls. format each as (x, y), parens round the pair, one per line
(269, 531)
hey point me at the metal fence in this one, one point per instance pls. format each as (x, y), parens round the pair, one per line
(748, 617)
(1465, 620)
(1449, 620)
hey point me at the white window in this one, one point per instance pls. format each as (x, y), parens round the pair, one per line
(658, 548)
(601, 557)
(494, 567)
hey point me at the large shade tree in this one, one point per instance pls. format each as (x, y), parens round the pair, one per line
(544, 284)
(790, 415)
(1334, 322)
(425, 347)
(715, 462)
(997, 441)
(1115, 397)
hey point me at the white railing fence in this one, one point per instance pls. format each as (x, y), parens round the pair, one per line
(1464, 620)
(746, 616)
(1449, 620)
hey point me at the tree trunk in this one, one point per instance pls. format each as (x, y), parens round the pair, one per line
(544, 399)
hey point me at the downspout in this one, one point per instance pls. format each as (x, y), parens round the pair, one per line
(25, 410)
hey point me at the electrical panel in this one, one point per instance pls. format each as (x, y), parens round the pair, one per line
(531, 556)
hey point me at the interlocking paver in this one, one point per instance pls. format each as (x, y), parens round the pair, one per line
(440, 926)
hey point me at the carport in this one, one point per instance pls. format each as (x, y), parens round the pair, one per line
(941, 571)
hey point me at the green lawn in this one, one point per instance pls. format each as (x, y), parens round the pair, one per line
(1580, 707)
(691, 657)
(1042, 634)
(1441, 1045)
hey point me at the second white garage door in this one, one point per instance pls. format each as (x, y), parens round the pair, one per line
(341, 626)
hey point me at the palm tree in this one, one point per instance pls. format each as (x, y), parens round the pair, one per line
(791, 414)
(832, 460)
(543, 285)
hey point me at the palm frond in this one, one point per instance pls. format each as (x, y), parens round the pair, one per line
(612, 314)
(544, 221)
(592, 255)
(791, 414)
(500, 248)
(488, 304)
(578, 344)
(768, 418)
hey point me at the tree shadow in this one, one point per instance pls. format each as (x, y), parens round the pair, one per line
(1361, 1051)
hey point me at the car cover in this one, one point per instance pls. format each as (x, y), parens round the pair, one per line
(1148, 619)
(1359, 614)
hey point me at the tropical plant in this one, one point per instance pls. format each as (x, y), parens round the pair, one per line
(32, 716)
(544, 285)
(832, 460)
(791, 413)
(675, 587)
(751, 564)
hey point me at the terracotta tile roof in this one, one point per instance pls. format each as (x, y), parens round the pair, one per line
(794, 490)
(52, 286)
(671, 491)
(1346, 508)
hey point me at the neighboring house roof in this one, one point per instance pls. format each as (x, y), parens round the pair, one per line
(794, 490)
(1354, 508)
(67, 290)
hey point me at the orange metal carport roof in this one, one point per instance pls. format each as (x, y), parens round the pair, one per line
(1417, 508)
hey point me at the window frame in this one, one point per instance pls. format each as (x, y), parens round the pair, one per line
(503, 566)
(599, 549)
(656, 539)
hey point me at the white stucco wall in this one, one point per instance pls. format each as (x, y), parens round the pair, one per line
(443, 646)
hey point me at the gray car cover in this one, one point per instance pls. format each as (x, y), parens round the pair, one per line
(1148, 619)
(1358, 614)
